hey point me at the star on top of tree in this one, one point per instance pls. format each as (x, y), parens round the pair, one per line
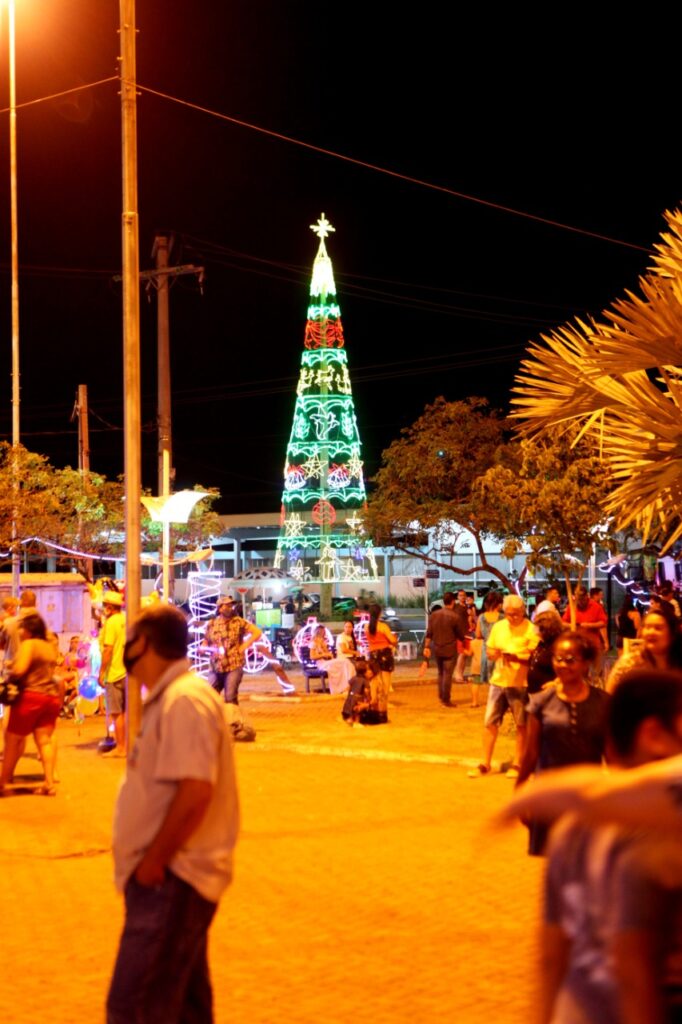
(322, 228)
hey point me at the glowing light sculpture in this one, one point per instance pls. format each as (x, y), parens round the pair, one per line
(204, 588)
(324, 488)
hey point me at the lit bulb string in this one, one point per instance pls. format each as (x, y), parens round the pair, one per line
(614, 572)
(389, 173)
(145, 559)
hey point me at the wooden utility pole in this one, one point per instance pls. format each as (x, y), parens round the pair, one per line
(160, 252)
(163, 402)
(131, 339)
(81, 411)
(160, 278)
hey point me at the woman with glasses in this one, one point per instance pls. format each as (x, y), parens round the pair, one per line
(566, 719)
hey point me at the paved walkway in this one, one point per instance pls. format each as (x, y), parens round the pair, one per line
(369, 886)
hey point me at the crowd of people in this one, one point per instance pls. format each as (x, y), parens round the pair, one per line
(611, 940)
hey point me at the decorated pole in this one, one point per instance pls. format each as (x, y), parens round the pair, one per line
(322, 538)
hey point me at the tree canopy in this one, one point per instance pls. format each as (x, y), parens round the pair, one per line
(458, 467)
(80, 511)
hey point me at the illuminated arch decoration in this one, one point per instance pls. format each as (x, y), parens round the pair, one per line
(324, 487)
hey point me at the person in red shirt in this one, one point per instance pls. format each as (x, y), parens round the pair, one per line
(590, 617)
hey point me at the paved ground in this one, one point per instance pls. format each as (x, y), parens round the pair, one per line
(368, 885)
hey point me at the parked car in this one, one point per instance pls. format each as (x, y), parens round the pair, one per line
(341, 606)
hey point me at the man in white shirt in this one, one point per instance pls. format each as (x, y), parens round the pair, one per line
(175, 827)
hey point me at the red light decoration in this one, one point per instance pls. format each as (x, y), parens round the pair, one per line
(324, 513)
(330, 337)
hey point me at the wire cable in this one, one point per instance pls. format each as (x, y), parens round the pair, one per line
(392, 174)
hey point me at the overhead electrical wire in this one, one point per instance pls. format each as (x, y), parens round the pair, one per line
(385, 170)
(367, 165)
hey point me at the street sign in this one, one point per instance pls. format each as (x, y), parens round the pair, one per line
(432, 574)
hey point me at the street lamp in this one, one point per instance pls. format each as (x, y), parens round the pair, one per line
(16, 564)
(167, 509)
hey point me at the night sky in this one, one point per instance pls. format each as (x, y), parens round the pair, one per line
(568, 121)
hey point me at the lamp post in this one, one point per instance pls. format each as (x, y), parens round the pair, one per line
(14, 229)
(167, 509)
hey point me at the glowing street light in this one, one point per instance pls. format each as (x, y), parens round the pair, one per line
(16, 564)
(167, 509)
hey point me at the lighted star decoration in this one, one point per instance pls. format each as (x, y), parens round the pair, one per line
(355, 465)
(322, 228)
(355, 523)
(349, 571)
(298, 571)
(313, 466)
(293, 526)
(324, 422)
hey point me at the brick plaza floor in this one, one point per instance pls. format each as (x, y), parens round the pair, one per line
(369, 886)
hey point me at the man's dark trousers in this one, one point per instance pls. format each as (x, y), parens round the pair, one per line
(446, 667)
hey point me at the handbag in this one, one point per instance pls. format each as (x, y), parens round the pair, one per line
(11, 689)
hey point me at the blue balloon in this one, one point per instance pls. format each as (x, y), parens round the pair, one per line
(89, 688)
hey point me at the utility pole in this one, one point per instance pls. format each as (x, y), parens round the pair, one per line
(131, 340)
(159, 277)
(81, 411)
(160, 252)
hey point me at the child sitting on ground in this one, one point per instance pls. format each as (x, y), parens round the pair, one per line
(359, 697)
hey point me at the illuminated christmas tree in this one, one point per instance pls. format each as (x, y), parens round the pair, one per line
(322, 538)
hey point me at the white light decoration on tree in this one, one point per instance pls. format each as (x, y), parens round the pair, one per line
(324, 489)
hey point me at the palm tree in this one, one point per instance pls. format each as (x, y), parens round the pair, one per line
(620, 379)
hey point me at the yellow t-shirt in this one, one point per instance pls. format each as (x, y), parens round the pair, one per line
(519, 641)
(114, 635)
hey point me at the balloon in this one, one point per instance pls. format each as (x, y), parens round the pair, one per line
(89, 688)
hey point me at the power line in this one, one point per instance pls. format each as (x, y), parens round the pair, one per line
(64, 92)
(392, 174)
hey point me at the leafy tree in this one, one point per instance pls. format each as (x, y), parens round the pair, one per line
(457, 468)
(427, 482)
(545, 501)
(81, 511)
